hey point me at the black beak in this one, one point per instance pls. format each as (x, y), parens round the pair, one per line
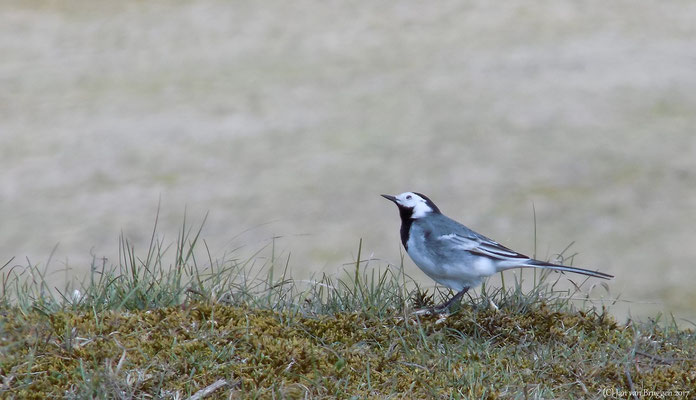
(390, 197)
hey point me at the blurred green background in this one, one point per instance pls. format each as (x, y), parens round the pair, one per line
(290, 118)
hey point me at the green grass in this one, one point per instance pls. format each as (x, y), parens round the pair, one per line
(174, 321)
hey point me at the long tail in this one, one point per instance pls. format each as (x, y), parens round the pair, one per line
(564, 268)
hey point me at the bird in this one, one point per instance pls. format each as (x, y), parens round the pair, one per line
(454, 255)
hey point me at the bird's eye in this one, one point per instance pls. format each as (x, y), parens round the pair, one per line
(409, 197)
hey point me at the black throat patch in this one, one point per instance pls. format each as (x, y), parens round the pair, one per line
(406, 221)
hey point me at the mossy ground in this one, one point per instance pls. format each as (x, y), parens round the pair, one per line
(142, 330)
(176, 351)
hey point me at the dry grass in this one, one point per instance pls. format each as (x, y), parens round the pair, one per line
(167, 324)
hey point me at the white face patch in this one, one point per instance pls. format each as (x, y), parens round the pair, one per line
(418, 204)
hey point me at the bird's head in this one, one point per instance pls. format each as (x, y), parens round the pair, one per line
(413, 205)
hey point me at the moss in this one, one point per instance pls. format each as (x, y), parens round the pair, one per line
(480, 354)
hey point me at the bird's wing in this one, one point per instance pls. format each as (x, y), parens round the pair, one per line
(481, 246)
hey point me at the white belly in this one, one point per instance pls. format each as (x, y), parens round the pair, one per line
(454, 274)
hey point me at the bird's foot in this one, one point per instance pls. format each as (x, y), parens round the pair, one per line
(425, 311)
(445, 307)
(442, 312)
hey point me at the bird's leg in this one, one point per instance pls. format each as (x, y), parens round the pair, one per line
(446, 305)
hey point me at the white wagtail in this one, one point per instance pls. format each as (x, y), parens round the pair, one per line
(454, 255)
